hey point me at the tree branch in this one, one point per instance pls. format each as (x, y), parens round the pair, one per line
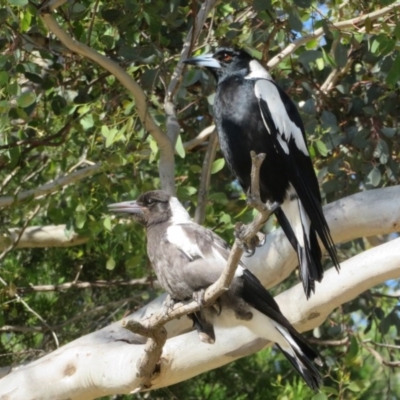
(173, 126)
(350, 23)
(51, 187)
(199, 139)
(82, 285)
(84, 364)
(164, 144)
(205, 178)
(41, 236)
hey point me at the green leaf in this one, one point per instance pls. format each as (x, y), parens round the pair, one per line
(3, 77)
(19, 3)
(303, 3)
(374, 177)
(87, 122)
(109, 135)
(3, 14)
(261, 5)
(309, 56)
(394, 74)
(396, 31)
(26, 99)
(353, 348)
(217, 165)
(110, 265)
(340, 55)
(25, 21)
(58, 104)
(294, 20)
(179, 147)
(321, 147)
(356, 386)
(34, 78)
(388, 132)
(14, 153)
(111, 15)
(80, 219)
(382, 152)
(320, 396)
(107, 223)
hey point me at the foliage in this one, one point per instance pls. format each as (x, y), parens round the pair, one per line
(60, 112)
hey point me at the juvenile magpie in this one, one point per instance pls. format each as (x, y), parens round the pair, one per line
(253, 113)
(188, 258)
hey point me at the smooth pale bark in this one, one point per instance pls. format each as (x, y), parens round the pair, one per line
(92, 368)
(41, 236)
(104, 363)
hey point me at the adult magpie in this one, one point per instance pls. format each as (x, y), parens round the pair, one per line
(253, 113)
(187, 258)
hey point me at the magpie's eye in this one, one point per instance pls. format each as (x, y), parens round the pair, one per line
(149, 202)
(226, 57)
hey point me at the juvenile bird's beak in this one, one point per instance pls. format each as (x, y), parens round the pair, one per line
(206, 60)
(128, 207)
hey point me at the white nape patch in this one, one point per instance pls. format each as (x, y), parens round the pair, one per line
(257, 71)
(297, 216)
(266, 91)
(176, 235)
(179, 213)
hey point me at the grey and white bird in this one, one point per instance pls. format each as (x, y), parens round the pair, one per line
(253, 113)
(188, 258)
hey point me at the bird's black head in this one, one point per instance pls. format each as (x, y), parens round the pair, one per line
(225, 61)
(150, 208)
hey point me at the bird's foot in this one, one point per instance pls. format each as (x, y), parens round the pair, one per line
(168, 305)
(199, 297)
(272, 205)
(249, 245)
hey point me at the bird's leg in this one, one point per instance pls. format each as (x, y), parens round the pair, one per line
(198, 297)
(264, 209)
(248, 245)
(168, 305)
(272, 205)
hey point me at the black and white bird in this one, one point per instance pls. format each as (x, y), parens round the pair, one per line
(253, 113)
(188, 258)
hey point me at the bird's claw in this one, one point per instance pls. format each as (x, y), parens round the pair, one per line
(249, 246)
(168, 305)
(272, 205)
(198, 297)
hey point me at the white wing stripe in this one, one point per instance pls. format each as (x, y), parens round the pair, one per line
(177, 236)
(266, 91)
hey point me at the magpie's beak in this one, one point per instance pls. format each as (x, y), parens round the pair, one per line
(206, 60)
(126, 207)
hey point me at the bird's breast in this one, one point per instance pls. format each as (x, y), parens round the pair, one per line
(241, 129)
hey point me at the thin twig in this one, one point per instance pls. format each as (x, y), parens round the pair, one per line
(350, 23)
(331, 343)
(199, 139)
(52, 186)
(82, 285)
(380, 359)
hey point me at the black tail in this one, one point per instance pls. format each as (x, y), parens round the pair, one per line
(302, 355)
(309, 256)
(305, 367)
